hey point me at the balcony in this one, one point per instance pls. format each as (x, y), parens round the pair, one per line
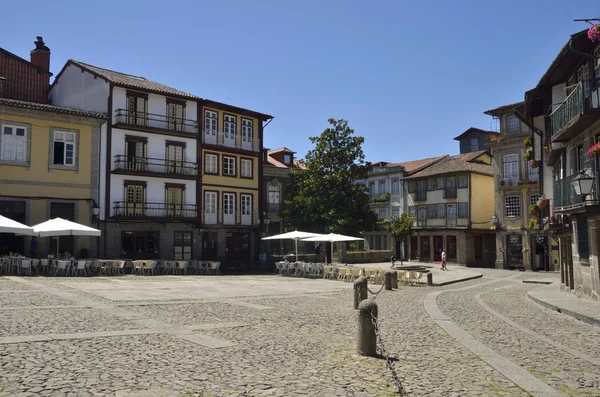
(576, 113)
(230, 141)
(421, 195)
(145, 166)
(273, 207)
(224, 218)
(174, 212)
(155, 122)
(380, 200)
(450, 192)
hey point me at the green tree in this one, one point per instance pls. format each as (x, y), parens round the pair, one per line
(324, 197)
(400, 227)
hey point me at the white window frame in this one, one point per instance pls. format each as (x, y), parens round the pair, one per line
(246, 204)
(511, 171)
(211, 122)
(382, 213)
(511, 128)
(533, 174)
(246, 168)
(381, 187)
(513, 206)
(395, 186)
(228, 166)
(247, 130)
(229, 125)
(62, 136)
(17, 142)
(211, 163)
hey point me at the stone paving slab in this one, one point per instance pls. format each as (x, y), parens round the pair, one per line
(553, 298)
(454, 274)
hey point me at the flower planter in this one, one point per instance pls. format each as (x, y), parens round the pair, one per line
(542, 202)
(594, 33)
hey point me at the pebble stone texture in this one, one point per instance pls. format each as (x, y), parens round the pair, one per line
(274, 336)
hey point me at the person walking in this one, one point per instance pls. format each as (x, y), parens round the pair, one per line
(444, 260)
(393, 259)
(318, 252)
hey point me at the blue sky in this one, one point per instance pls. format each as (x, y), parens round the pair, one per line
(407, 76)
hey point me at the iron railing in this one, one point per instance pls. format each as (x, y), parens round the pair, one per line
(221, 217)
(568, 110)
(273, 207)
(153, 210)
(158, 166)
(564, 193)
(230, 140)
(150, 120)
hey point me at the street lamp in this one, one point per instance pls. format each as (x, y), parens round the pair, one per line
(95, 213)
(582, 184)
(494, 220)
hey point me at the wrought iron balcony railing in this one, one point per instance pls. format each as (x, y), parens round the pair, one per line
(157, 166)
(273, 207)
(210, 137)
(568, 110)
(564, 193)
(150, 120)
(221, 217)
(153, 210)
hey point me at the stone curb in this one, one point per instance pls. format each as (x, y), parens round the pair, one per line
(571, 313)
(457, 281)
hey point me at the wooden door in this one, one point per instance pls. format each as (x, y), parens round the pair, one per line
(451, 248)
(425, 249)
(438, 246)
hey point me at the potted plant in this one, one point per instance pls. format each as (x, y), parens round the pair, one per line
(534, 210)
(533, 224)
(594, 150)
(519, 182)
(527, 142)
(594, 33)
(528, 155)
(542, 201)
(532, 182)
(533, 163)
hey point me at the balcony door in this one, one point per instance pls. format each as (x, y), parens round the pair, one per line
(229, 127)
(210, 208)
(451, 215)
(135, 200)
(175, 196)
(135, 153)
(175, 155)
(247, 134)
(175, 116)
(137, 109)
(210, 127)
(274, 198)
(228, 208)
(246, 204)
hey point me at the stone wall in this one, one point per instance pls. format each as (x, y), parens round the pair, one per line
(367, 256)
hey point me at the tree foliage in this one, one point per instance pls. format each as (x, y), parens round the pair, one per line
(324, 197)
(400, 227)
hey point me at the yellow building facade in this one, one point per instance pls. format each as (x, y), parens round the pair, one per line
(49, 167)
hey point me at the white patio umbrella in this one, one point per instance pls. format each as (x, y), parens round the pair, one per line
(7, 225)
(295, 235)
(61, 227)
(332, 238)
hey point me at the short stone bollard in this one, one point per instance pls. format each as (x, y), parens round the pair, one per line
(366, 345)
(429, 278)
(394, 279)
(387, 280)
(360, 291)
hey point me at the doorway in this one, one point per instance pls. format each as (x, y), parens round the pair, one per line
(425, 252)
(238, 246)
(414, 248)
(514, 243)
(478, 251)
(438, 246)
(451, 248)
(209, 246)
(540, 253)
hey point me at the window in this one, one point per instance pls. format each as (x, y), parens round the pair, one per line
(229, 166)
(274, 198)
(14, 143)
(511, 169)
(474, 144)
(450, 189)
(246, 208)
(441, 211)
(412, 186)
(512, 206)
(175, 200)
(395, 212)
(597, 62)
(247, 132)
(229, 127)
(372, 189)
(431, 184)
(140, 245)
(210, 123)
(211, 164)
(422, 191)
(135, 199)
(395, 186)
(137, 108)
(382, 214)
(579, 158)
(422, 215)
(381, 186)
(246, 168)
(532, 173)
(463, 210)
(583, 245)
(412, 211)
(533, 198)
(287, 158)
(451, 215)
(228, 208)
(463, 181)
(440, 182)
(431, 211)
(64, 148)
(512, 124)
(183, 246)
(175, 115)
(175, 157)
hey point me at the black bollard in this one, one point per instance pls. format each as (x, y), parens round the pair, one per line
(429, 278)
(360, 292)
(394, 279)
(367, 339)
(387, 280)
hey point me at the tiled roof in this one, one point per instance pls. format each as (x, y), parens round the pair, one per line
(501, 109)
(477, 130)
(50, 108)
(281, 149)
(416, 165)
(271, 162)
(466, 162)
(128, 80)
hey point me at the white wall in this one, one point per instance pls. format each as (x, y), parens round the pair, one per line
(157, 104)
(80, 90)
(559, 94)
(155, 189)
(396, 200)
(102, 178)
(156, 144)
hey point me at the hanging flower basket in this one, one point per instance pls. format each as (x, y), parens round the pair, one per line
(527, 142)
(594, 150)
(594, 33)
(542, 202)
(533, 164)
(527, 155)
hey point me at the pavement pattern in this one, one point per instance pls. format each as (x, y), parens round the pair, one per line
(281, 336)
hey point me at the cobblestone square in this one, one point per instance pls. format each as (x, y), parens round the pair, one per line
(276, 336)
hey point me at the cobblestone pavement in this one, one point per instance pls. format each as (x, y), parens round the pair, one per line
(274, 336)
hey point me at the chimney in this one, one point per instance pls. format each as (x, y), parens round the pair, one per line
(40, 55)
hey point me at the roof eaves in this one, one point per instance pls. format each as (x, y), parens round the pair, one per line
(51, 108)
